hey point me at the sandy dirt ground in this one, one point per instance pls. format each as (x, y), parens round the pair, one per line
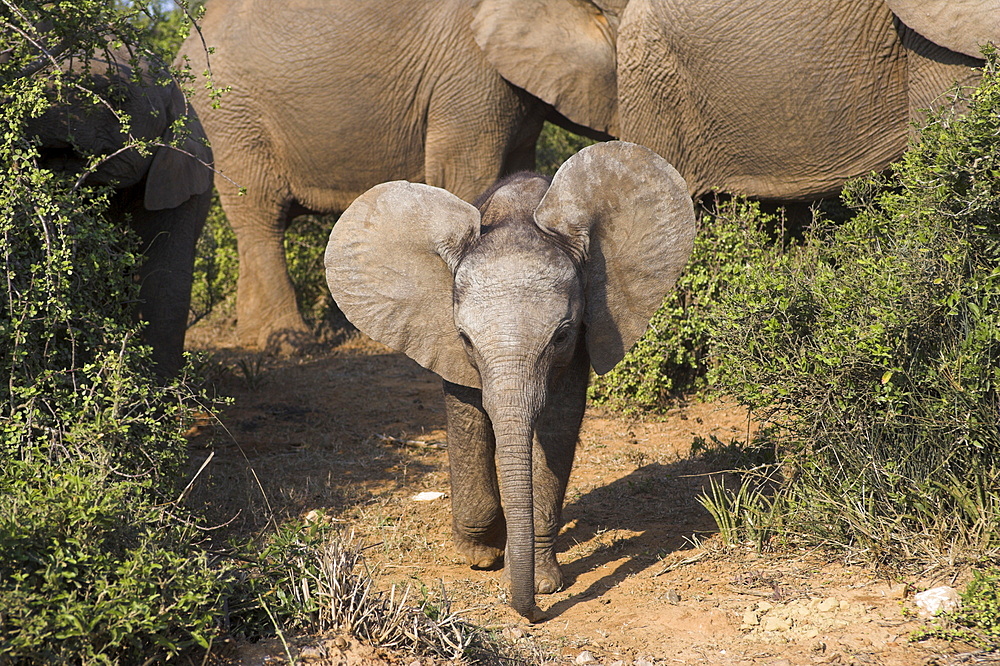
(357, 432)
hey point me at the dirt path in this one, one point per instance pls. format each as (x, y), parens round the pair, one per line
(359, 431)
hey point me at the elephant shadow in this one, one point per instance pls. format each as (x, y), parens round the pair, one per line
(329, 432)
(635, 522)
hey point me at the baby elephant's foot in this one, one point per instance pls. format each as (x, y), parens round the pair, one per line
(548, 577)
(478, 555)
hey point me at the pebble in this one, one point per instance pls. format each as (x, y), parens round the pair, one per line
(673, 596)
(585, 657)
(898, 591)
(937, 600)
(751, 618)
(310, 654)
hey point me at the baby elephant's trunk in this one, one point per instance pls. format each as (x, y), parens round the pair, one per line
(513, 413)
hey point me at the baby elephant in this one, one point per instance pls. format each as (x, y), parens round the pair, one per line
(512, 301)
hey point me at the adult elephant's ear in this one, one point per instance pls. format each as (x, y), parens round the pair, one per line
(390, 264)
(561, 51)
(628, 212)
(957, 25)
(177, 173)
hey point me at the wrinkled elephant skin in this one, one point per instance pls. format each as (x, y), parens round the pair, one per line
(783, 101)
(331, 97)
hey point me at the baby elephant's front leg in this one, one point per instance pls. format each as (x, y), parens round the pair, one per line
(478, 525)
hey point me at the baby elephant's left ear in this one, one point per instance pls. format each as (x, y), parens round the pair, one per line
(629, 212)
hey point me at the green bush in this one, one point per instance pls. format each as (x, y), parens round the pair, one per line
(216, 267)
(874, 346)
(94, 573)
(96, 562)
(556, 145)
(674, 357)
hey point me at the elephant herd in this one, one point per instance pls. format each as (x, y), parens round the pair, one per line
(402, 114)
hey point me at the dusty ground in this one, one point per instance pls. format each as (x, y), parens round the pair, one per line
(358, 431)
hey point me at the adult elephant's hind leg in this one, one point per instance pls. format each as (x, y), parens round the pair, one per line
(478, 525)
(267, 314)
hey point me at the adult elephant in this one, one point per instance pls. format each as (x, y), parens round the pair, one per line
(331, 97)
(778, 100)
(164, 193)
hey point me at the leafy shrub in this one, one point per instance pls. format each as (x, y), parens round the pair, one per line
(555, 146)
(874, 348)
(977, 620)
(216, 267)
(96, 563)
(674, 357)
(980, 610)
(92, 572)
(305, 246)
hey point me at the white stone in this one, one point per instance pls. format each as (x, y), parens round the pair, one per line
(585, 657)
(427, 496)
(937, 600)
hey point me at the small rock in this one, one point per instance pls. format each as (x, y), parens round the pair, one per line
(415, 662)
(751, 618)
(617, 662)
(585, 657)
(937, 600)
(311, 654)
(898, 591)
(828, 605)
(673, 596)
(764, 606)
(340, 642)
(427, 496)
(642, 661)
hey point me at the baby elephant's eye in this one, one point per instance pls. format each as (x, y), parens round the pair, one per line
(560, 337)
(465, 340)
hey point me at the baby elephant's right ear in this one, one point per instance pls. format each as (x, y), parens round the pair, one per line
(389, 266)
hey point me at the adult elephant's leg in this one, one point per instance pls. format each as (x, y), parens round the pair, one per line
(169, 238)
(267, 314)
(477, 519)
(556, 434)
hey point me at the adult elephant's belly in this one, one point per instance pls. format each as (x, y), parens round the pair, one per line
(784, 108)
(330, 163)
